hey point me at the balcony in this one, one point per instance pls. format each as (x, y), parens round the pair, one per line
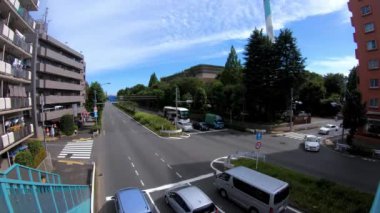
(24, 13)
(17, 134)
(20, 17)
(58, 99)
(9, 105)
(56, 114)
(55, 56)
(14, 44)
(48, 68)
(31, 5)
(50, 84)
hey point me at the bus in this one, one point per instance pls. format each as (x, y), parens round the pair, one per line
(171, 112)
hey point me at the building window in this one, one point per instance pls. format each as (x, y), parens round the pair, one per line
(369, 27)
(373, 64)
(365, 10)
(371, 45)
(374, 103)
(374, 83)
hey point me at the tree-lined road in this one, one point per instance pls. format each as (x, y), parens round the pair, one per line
(128, 155)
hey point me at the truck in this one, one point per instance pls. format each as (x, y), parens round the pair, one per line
(214, 121)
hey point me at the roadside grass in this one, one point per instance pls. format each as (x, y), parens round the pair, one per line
(151, 121)
(310, 194)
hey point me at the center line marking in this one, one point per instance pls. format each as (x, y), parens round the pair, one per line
(137, 173)
(169, 166)
(178, 175)
(163, 160)
(142, 183)
(133, 165)
(129, 158)
(156, 154)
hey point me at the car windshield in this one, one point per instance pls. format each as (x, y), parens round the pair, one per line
(312, 139)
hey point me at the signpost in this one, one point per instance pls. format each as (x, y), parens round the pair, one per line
(259, 136)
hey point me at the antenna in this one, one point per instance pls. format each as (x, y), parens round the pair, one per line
(268, 19)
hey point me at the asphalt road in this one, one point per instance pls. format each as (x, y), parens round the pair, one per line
(128, 155)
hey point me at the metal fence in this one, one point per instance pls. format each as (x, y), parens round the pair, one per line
(28, 193)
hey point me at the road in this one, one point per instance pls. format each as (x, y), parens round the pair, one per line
(128, 155)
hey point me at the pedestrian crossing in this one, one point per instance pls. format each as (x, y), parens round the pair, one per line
(295, 135)
(77, 150)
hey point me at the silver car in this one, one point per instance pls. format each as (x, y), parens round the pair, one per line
(187, 198)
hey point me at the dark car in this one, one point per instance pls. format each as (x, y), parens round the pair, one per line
(200, 126)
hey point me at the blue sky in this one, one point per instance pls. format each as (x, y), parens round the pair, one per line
(124, 42)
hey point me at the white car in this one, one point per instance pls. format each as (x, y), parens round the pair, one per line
(186, 127)
(328, 128)
(312, 143)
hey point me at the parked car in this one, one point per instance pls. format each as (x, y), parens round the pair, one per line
(188, 198)
(328, 128)
(254, 191)
(214, 121)
(186, 127)
(312, 143)
(131, 200)
(200, 126)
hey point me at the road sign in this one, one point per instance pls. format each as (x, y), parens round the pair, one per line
(258, 145)
(95, 114)
(259, 136)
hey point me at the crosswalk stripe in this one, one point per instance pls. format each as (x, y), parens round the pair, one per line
(77, 150)
(294, 135)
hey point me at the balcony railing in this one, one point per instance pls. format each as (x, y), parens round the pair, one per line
(19, 72)
(14, 103)
(17, 133)
(26, 16)
(20, 42)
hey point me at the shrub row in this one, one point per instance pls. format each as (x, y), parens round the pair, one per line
(33, 156)
(153, 122)
(311, 194)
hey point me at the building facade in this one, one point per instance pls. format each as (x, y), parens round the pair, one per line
(204, 72)
(366, 21)
(15, 74)
(60, 82)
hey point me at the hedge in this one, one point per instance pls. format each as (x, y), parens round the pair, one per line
(24, 158)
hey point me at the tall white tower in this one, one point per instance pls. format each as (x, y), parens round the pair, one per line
(268, 19)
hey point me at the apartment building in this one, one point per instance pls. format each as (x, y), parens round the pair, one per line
(15, 73)
(60, 81)
(366, 21)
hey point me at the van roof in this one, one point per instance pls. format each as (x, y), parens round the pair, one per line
(133, 200)
(262, 181)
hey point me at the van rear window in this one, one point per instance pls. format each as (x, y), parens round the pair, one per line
(282, 195)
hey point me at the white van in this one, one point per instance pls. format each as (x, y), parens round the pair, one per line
(253, 190)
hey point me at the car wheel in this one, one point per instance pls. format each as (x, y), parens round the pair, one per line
(223, 193)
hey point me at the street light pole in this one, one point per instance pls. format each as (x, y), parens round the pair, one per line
(291, 109)
(96, 117)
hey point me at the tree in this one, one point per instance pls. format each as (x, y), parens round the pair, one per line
(153, 81)
(24, 158)
(67, 125)
(232, 73)
(95, 90)
(354, 111)
(290, 70)
(334, 84)
(259, 76)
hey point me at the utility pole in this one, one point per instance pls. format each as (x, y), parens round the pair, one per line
(291, 109)
(176, 107)
(95, 108)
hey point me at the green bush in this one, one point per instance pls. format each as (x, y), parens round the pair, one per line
(39, 157)
(67, 125)
(24, 158)
(311, 194)
(35, 147)
(153, 122)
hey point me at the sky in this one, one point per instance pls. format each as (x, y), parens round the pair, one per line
(125, 41)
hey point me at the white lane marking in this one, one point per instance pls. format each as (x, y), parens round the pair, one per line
(142, 183)
(137, 173)
(169, 166)
(167, 186)
(129, 158)
(133, 165)
(152, 201)
(156, 154)
(178, 175)
(217, 160)
(80, 149)
(108, 198)
(163, 161)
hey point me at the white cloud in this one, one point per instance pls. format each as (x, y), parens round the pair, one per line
(119, 33)
(333, 65)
